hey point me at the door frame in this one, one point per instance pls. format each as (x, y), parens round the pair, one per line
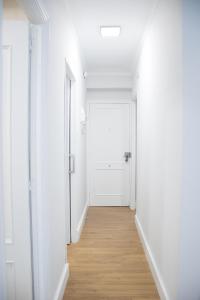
(37, 16)
(132, 111)
(69, 75)
(35, 95)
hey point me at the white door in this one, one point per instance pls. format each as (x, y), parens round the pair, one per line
(109, 140)
(15, 161)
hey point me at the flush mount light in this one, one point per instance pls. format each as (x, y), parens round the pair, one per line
(110, 31)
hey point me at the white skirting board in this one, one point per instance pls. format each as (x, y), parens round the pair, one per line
(152, 264)
(62, 283)
(80, 226)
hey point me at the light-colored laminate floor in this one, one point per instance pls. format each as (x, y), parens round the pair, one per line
(109, 262)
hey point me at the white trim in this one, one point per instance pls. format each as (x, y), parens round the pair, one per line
(152, 263)
(108, 101)
(87, 153)
(35, 155)
(133, 151)
(67, 117)
(69, 74)
(62, 283)
(68, 71)
(107, 74)
(79, 229)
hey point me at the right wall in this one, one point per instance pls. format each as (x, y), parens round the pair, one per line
(159, 144)
(168, 148)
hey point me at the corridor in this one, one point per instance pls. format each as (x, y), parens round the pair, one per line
(101, 268)
(99, 149)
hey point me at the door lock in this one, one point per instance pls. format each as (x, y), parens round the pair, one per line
(127, 155)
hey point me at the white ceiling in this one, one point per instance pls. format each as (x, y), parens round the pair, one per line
(110, 54)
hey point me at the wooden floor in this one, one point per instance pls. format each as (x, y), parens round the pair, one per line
(109, 262)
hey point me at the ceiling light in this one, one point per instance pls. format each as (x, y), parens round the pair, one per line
(110, 31)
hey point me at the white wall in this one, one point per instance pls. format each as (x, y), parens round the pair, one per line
(190, 238)
(109, 81)
(109, 95)
(109, 86)
(159, 135)
(59, 41)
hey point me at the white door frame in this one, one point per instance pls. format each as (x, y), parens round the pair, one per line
(132, 109)
(37, 16)
(34, 153)
(69, 75)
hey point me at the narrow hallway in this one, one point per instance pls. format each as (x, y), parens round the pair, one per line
(109, 261)
(99, 150)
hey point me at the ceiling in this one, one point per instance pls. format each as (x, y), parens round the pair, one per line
(110, 54)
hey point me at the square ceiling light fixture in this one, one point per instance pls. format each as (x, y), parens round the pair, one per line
(110, 31)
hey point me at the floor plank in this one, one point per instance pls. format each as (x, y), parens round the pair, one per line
(109, 262)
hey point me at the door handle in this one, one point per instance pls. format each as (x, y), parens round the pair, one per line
(71, 164)
(127, 155)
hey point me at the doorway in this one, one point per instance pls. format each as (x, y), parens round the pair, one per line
(110, 154)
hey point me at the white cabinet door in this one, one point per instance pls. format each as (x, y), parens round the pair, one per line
(15, 161)
(109, 139)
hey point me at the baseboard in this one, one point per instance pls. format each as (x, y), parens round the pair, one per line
(62, 283)
(80, 226)
(152, 264)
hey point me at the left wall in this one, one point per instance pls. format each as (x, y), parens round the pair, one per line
(59, 42)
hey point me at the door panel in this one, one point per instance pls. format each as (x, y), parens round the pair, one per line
(15, 161)
(109, 139)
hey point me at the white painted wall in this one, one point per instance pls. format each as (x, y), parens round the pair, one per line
(109, 86)
(159, 162)
(109, 95)
(59, 41)
(190, 221)
(109, 81)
